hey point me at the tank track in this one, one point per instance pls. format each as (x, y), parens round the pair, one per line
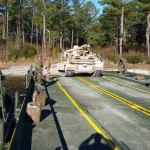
(97, 73)
(71, 73)
(67, 74)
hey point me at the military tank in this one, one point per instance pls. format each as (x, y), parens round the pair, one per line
(79, 60)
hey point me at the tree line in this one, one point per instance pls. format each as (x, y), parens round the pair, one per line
(59, 24)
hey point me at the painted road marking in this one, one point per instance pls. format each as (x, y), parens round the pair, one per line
(125, 101)
(126, 85)
(11, 139)
(97, 129)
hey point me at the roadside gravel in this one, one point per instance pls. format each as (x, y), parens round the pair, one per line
(22, 70)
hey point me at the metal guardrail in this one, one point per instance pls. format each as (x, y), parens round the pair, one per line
(28, 76)
(7, 115)
(3, 116)
(141, 69)
(15, 112)
(20, 111)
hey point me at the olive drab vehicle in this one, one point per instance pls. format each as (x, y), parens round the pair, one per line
(80, 60)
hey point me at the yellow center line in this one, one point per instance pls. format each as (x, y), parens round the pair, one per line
(125, 101)
(126, 85)
(97, 129)
(11, 139)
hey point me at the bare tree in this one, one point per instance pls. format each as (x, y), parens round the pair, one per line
(44, 28)
(148, 34)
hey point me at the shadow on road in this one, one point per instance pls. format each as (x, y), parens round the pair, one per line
(95, 142)
(59, 130)
(24, 142)
(45, 113)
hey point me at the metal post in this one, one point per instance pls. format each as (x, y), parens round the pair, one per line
(1, 132)
(16, 104)
(16, 100)
(26, 83)
(121, 28)
(2, 98)
(2, 111)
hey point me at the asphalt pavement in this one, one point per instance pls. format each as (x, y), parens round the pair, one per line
(91, 113)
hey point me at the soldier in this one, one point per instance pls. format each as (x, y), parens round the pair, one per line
(101, 57)
(48, 65)
(35, 70)
(38, 70)
(122, 65)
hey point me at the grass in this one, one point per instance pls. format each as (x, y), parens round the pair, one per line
(3, 65)
(6, 65)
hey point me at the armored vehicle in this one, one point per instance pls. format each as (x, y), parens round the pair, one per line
(80, 60)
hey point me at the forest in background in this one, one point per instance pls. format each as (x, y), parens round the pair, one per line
(31, 27)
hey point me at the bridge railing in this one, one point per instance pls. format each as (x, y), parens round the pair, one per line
(6, 114)
(29, 75)
(2, 109)
(142, 69)
(21, 116)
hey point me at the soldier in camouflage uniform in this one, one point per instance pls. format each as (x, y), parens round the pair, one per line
(48, 65)
(122, 65)
(38, 71)
(35, 71)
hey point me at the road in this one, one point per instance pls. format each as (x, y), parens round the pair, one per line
(84, 113)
